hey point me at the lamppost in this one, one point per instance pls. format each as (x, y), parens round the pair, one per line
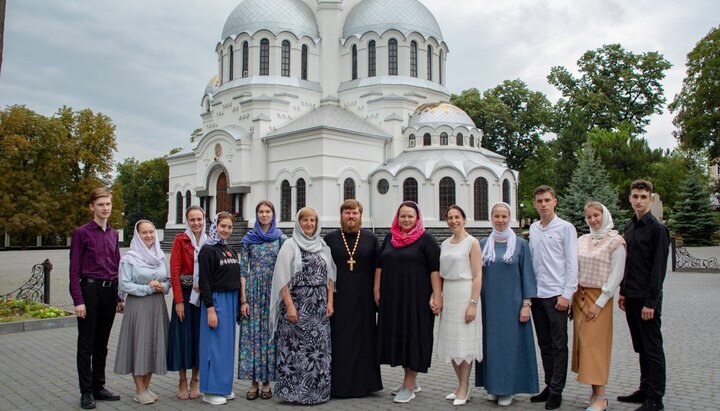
(522, 220)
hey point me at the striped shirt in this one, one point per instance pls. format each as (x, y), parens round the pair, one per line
(94, 253)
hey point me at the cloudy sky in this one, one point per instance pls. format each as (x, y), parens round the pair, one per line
(146, 63)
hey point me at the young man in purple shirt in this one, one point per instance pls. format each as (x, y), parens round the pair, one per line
(94, 260)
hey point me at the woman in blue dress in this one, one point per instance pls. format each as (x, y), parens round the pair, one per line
(258, 253)
(300, 307)
(508, 283)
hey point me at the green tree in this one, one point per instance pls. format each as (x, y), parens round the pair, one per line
(589, 183)
(49, 165)
(511, 116)
(539, 170)
(615, 87)
(693, 219)
(144, 187)
(698, 117)
(626, 158)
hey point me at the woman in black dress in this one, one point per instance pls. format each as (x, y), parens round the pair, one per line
(407, 278)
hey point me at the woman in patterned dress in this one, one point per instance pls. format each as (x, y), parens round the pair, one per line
(258, 254)
(300, 309)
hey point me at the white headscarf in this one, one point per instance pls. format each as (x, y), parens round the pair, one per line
(197, 245)
(141, 255)
(289, 263)
(507, 235)
(605, 229)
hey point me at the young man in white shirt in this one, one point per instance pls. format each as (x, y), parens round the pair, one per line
(553, 246)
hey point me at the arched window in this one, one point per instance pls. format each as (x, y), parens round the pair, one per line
(427, 139)
(392, 57)
(481, 199)
(300, 194)
(371, 58)
(411, 140)
(354, 61)
(245, 59)
(348, 189)
(443, 139)
(285, 59)
(506, 191)
(231, 56)
(188, 200)
(410, 190)
(178, 208)
(472, 140)
(447, 195)
(413, 58)
(264, 57)
(440, 65)
(285, 205)
(459, 140)
(303, 62)
(429, 63)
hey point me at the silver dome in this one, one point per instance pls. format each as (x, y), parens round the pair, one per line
(406, 16)
(276, 16)
(440, 114)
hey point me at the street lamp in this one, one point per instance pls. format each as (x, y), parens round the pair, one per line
(522, 209)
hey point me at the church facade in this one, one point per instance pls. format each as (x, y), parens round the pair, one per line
(317, 101)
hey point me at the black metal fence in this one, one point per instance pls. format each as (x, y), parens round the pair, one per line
(36, 288)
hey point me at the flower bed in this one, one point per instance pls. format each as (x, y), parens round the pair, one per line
(23, 310)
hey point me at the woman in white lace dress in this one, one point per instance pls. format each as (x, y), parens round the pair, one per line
(460, 330)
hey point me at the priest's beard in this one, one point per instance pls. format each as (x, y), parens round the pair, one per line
(351, 230)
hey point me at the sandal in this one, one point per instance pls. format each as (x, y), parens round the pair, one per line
(266, 395)
(252, 395)
(194, 389)
(182, 391)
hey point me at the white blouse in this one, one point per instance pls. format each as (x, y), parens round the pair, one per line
(455, 259)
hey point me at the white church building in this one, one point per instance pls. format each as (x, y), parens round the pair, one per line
(317, 101)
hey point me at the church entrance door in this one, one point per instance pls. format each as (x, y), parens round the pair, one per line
(223, 199)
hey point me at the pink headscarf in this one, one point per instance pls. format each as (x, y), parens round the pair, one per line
(399, 239)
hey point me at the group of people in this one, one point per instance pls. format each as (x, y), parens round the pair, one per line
(318, 316)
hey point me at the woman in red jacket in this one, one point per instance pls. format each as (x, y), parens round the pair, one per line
(185, 319)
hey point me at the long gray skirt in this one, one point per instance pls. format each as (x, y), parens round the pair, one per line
(142, 344)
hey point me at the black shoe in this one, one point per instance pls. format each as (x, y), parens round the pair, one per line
(638, 397)
(87, 402)
(105, 395)
(553, 402)
(542, 397)
(651, 405)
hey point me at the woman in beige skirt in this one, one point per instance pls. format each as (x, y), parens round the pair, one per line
(601, 264)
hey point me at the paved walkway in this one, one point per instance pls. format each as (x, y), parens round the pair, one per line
(38, 368)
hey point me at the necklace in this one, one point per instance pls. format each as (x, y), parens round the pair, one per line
(351, 262)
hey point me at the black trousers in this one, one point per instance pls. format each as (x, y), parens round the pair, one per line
(94, 333)
(552, 335)
(647, 341)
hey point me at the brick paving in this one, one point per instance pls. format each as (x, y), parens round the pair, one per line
(38, 367)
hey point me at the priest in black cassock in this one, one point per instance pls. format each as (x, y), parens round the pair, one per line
(354, 370)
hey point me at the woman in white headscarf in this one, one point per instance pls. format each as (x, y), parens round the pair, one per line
(508, 283)
(185, 318)
(142, 344)
(301, 304)
(601, 265)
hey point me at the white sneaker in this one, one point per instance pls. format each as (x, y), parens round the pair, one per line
(230, 396)
(404, 395)
(505, 400)
(214, 399)
(400, 387)
(491, 397)
(143, 398)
